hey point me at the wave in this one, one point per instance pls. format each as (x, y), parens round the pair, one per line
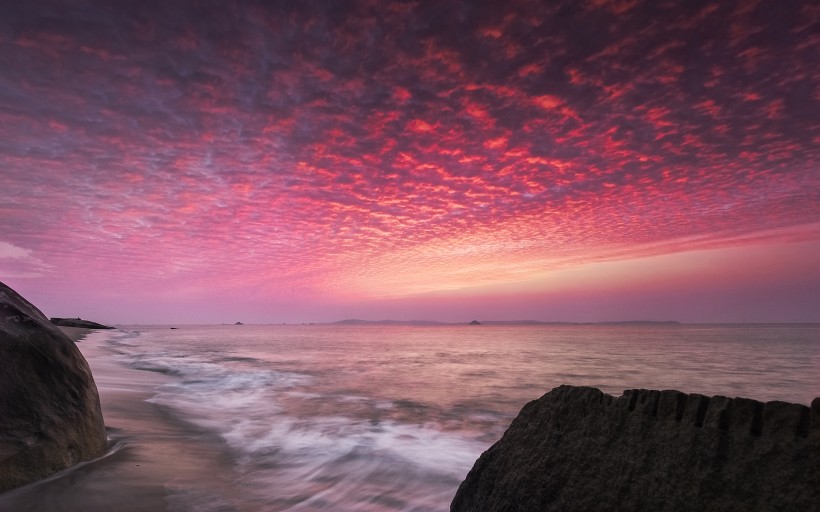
(318, 448)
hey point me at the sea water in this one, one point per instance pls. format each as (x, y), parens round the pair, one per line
(387, 418)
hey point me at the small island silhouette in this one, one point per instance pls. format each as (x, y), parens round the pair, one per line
(356, 321)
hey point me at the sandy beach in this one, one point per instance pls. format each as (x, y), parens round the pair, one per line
(151, 457)
(75, 333)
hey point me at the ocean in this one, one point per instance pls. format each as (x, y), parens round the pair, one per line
(391, 418)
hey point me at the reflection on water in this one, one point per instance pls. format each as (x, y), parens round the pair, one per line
(392, 418)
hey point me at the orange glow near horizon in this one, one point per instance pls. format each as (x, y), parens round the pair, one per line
(462, 266)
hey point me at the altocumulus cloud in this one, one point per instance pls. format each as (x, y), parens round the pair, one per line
(20, 262)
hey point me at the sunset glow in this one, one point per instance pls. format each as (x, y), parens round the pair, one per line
(276, 162)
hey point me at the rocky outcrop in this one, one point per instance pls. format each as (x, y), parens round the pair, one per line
(50, 413)
(578, 449)
(77, 322)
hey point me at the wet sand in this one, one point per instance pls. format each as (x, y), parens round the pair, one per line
(75, 333)
(154, 463)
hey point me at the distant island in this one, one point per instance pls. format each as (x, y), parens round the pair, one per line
(355, 321)
(539, 322)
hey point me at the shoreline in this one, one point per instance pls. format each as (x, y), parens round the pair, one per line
(75, 334)
(160, 461)
(152, 457)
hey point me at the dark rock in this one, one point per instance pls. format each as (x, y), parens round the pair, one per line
(76, 322)
(50, 413)
(475, 322)
(578, 449)
(239, 323)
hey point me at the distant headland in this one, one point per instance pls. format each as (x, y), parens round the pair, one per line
(355, 321)
(78, 322)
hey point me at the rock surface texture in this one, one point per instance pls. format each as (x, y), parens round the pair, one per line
(578, 449)
(50, 415)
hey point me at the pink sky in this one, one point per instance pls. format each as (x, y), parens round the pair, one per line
(587, 161)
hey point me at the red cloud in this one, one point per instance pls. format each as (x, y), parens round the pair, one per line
(297, 153)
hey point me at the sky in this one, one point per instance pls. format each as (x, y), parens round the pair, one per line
(266, 162)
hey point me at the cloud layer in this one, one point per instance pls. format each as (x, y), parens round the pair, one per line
(381, 150)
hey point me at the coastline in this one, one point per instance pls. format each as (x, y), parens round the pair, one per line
(280, 427)
(151, 456)
(75, 333)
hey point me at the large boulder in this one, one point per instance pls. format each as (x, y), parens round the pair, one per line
(578, 449)
(50, 413)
